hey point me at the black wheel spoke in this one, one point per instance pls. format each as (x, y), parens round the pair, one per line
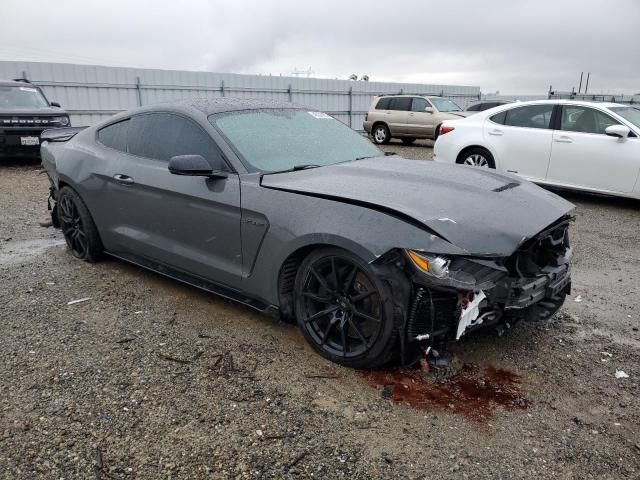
(325, 335)
(351, 278)
(321, 280)
(343, 337)
(322, 313)
(316, 297)
(356, 329)
(366, 316)
(334, 273)
(362, 296)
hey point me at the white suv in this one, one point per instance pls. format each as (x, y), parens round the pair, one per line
(579, 145)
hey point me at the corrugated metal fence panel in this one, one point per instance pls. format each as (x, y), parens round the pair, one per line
(92, 93)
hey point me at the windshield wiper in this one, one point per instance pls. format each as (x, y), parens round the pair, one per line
(295, 168)
(365, 157)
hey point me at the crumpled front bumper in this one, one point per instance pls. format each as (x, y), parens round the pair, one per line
(524, 292)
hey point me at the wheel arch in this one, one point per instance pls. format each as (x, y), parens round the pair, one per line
(471, 147)
(379, 122)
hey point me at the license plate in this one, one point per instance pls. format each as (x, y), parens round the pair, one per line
(29, 141)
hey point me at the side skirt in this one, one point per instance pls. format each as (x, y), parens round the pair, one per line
(198, 282)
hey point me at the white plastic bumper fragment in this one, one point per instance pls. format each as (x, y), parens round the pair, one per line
(470, 314)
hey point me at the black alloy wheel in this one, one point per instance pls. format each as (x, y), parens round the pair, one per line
(341, 308)
(77, 226)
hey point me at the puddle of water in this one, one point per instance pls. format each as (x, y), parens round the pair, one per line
(16, 252)
(474, 392)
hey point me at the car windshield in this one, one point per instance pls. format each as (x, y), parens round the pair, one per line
(630, 114)
(444, 105)
(21, 97)
(280, 139)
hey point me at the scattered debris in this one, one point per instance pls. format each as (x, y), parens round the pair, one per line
(99, 463)
(324, 373)
(607, 354)
(126, 339)
(297, 460)
(578, 299)
(79, 300)
(621, 374)
(46, 222)
(202, 335)
(181, 360)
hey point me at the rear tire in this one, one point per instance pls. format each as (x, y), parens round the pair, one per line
(77, 226)
(344, 310)
(381, 134)
(476, 157)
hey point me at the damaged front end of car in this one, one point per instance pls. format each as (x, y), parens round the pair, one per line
(448, 296)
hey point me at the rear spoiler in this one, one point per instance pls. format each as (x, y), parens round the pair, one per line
(60, 134)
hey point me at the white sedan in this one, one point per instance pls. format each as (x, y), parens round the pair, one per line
(570, 144)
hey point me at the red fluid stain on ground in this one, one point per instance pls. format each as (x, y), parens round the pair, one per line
(473, 392)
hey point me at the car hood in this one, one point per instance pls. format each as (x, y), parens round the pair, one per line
(32, 111)
(480, 211)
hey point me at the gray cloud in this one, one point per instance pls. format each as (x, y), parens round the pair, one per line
(511, 46)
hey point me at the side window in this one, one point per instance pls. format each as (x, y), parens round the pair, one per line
(400, 103)
(383, 104)
(418, 104)
(115, 135)
(499, 118)
(585, 120)
(531, 116)
(165, 135)
(475, 108)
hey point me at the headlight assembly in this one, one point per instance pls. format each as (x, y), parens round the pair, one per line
(458, 273)
(64, 121)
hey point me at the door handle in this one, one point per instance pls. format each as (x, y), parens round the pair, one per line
(123, 179)
(564, 139)
(496, 132)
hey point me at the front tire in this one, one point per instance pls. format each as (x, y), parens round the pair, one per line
(476, 157)
(77, 226)
(344, 309)
(381, 134)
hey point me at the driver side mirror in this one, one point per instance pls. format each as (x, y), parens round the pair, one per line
(428, 109)
(619, 131)
(196, 166)
(54, 104)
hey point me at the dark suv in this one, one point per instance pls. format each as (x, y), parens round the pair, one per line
(24, 113)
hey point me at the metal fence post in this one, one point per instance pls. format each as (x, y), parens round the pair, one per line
(222, 87)
(290, 93)
(138, 91)
(350, 107)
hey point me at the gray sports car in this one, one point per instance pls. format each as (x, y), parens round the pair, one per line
(289, 211)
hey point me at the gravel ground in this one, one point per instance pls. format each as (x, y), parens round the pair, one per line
(151, 379)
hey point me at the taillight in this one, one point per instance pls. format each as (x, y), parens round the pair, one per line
(444, 129)
(366, 116)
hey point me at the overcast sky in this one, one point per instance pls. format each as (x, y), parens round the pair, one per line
(512, 46)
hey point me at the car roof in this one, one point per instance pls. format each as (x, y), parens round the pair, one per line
(561, 101)
(13, 83)
(209, 106)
